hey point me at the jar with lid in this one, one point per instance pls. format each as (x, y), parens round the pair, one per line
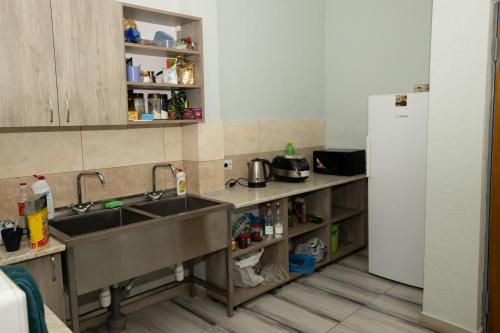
(139, 105)
(244, 240)
(257, 232)
(154, 105)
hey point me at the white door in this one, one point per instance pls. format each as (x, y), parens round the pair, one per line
(397, 154)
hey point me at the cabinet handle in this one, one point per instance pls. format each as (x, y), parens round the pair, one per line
(54, 275)
(67, 109)
(51, 109)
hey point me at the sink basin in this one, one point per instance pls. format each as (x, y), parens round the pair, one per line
(79, 225)
(173, 206)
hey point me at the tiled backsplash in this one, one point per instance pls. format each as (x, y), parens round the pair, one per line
(125, 156)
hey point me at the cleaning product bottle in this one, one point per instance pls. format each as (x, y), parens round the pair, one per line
(180, 177)
(42, 187)
(24, 193)
(289, 149)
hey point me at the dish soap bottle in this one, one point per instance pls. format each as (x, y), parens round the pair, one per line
(180, 177)
(42, 187)
(289, 149)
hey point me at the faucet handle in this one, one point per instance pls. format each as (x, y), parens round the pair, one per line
(153, 196)
(81, 208)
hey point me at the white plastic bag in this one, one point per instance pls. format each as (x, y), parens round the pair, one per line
(244, 274)
(314, 247)
(248, 260)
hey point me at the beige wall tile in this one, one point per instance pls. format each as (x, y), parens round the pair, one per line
(190, 143)
(210, 141)
(241, 137)
(63, 186)
(191, 168)
(24, 153)
(211, 176)
(129, 180)
(240, 167)
(107, 148)
(173, 143)
(274, 134)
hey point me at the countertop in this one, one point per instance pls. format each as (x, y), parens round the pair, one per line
(54, 324)
(25, 252)
(241, 196)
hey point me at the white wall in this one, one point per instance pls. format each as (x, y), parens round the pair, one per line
(271, 59)
(456, 170)
(372, 47)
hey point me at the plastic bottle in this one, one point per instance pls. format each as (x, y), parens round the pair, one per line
(278, 224)
(289, 149)
(24, 193)
(42, 187)
(268, 226)
(179, 272)
(180, 177)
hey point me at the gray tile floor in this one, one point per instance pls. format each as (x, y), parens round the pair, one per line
(340, 298)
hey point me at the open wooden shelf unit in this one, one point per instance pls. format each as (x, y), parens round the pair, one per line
(345, 205)
(190, 26)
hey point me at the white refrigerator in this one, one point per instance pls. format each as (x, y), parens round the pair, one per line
(396, 167)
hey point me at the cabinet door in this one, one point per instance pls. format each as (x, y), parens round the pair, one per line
(28, 91)
(47, 272)
(90, 62)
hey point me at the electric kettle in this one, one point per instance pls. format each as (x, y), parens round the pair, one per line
(257, 175)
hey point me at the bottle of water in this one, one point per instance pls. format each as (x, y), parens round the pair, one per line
(278, 224)
(269, 227)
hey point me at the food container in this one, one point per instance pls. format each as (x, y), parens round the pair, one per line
(154, 105)
(244, 240)
(257, 232)
(192, 113)
(36, 215)
(139, 105)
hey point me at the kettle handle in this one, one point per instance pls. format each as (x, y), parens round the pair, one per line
(269, 174)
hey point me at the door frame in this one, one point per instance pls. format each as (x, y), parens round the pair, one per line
(495, 57)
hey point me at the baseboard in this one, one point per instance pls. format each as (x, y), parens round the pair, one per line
(443, 326)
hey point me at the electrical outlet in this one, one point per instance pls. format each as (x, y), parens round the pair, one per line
(228, 165)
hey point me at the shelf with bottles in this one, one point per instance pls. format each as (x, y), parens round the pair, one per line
(164, 52)
(168, 107)
(308, 212)
(249, 227)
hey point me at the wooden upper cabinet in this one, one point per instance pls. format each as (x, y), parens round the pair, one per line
(90, 64)
(28, 90)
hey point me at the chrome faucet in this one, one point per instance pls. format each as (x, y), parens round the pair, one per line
(80, 207)
(156, 195)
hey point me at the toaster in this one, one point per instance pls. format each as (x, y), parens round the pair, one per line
(290, 168)
(340, 162)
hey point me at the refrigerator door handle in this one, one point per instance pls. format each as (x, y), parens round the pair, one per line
(368, 156)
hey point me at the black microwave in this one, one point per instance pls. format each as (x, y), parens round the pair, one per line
(340, 162)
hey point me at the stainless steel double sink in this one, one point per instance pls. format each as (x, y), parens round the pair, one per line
(110, 246)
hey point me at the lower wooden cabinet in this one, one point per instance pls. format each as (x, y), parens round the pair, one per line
(47, 272)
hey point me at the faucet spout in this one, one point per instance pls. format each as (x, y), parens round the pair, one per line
(80, 207)
(157, 195)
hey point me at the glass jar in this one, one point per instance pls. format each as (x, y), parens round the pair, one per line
(154, 105)
(244, 241)
(257, 232)
(139, 104)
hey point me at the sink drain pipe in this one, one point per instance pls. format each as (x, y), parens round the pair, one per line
(116, 320)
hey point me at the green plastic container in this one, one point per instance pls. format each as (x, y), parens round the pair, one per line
(289, 149)
(334, 238)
